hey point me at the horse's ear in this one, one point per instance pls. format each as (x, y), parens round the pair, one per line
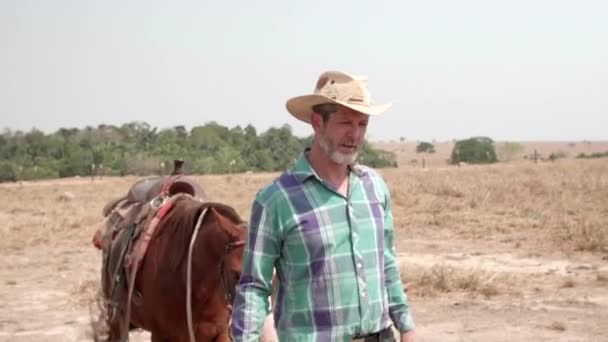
(225, 223)
(221, 221)
(225, 211)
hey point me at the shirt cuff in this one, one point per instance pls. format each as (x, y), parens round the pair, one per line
(405, 322)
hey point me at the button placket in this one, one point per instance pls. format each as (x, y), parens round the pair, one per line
(357, 258)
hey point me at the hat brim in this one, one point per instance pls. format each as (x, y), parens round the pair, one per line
(301, 106)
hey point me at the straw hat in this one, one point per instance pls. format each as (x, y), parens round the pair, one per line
(336, 87)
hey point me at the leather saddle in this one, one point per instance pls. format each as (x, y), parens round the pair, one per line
(147, 189)
(124, 219)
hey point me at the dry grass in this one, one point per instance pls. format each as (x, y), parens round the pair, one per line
(561, 206)
(557, 206)
(520, 210)
(33, 214)
(568, 284)
(406, 152)
(437, 279)
(84, 293)
(558, 326)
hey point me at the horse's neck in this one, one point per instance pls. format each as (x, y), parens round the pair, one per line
(209, 255)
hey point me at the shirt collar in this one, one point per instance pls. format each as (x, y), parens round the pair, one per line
(303, 170)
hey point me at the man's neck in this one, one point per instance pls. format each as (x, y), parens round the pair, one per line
(326, 168)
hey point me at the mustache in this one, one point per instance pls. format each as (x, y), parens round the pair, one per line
(351, 142)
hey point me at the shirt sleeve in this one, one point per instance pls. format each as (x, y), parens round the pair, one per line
(399, 309)
(255, 285)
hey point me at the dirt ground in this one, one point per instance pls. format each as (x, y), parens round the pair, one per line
(45, 291)
(504, 285)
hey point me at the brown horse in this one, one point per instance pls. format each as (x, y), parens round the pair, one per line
(161, 305)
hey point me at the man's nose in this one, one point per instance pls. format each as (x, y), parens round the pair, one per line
(354, 131)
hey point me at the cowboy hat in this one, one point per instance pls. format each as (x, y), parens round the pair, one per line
(336, 87)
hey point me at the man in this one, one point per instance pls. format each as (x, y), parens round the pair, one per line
(326, 226)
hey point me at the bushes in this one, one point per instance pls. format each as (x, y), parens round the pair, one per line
(8, 172)
(557, 155)
(425, 147)
(592, 155)
(474, 150)
(44, 170)
(137, 148)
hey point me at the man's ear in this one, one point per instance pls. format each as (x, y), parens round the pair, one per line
(316, 120)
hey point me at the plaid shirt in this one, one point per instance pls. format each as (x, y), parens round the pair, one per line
(334, 257)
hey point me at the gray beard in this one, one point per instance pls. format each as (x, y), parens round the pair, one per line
(335, 155)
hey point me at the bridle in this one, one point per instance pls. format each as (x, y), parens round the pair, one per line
(228, 291)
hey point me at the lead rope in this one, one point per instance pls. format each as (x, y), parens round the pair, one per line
(189, 276)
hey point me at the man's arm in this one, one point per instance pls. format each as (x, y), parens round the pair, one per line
(399, 309)
(251, 301)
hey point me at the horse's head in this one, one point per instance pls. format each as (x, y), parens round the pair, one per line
(234, 234)
(232, 263)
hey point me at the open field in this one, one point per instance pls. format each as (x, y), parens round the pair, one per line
(512, 251)
(407, 156)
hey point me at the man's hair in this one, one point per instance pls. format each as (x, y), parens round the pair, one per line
(325, 109)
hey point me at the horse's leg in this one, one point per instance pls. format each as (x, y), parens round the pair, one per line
(115, 330)
(116, 327)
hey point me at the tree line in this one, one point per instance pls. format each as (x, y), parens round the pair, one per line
(136, 148)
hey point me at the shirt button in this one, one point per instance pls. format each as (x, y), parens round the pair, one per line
(359, 265)
(354, 234)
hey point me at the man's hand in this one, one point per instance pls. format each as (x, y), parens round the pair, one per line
(408, 336)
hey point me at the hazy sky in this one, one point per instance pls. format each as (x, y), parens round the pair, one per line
(511, 70)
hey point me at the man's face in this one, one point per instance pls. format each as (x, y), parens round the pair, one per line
(342, 136)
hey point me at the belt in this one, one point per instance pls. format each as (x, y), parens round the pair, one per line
(368, 338)
(385, 335)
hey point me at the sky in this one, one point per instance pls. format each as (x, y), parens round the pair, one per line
(509, 70)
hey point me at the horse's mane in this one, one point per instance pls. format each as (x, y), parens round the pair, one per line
(180, 222)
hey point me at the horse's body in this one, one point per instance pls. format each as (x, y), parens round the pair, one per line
(161, 283)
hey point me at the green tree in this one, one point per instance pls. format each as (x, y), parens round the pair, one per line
(282, 146)
(8, 171)
(169, 144)
(36, 145)
(425, 147)
(77, 162)
(137, 148)
(206, 137)
(474, 150)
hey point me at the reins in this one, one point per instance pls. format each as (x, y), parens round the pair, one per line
(228, 292)
(189, 276)
(228, 295)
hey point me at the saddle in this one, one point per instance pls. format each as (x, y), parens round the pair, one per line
(125, 218)
(147, 189)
